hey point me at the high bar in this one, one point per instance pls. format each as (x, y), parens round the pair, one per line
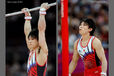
(33, 9)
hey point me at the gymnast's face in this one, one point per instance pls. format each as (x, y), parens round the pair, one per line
(32, 43)
(84, 28)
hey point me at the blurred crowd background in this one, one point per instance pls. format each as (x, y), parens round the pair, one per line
(16, 49)
(78, 9)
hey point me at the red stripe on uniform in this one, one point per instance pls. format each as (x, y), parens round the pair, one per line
(44, 74)
(92, 44)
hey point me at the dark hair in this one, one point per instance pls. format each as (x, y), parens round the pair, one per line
(34, 34)
(90, 23)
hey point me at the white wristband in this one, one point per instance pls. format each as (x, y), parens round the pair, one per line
(42, 13)
(42, 9)
(103, 73)
(69, 74)
(28, 17)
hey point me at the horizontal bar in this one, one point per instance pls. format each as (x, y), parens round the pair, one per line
(33, 9)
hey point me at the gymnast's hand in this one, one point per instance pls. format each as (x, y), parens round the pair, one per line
(45, 6)
(26, 12)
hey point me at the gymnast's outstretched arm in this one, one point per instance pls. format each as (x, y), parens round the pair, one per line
(42, 28)
(27, 25)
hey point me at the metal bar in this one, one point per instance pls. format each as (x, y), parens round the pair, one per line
(33, 9)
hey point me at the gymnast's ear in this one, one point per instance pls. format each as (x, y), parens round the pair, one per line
(90, 29)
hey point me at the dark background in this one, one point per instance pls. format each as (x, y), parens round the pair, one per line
(16, 49)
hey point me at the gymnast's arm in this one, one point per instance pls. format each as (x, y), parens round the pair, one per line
(42, 28)
(75, 59)
(100, 53)
(27, 24)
